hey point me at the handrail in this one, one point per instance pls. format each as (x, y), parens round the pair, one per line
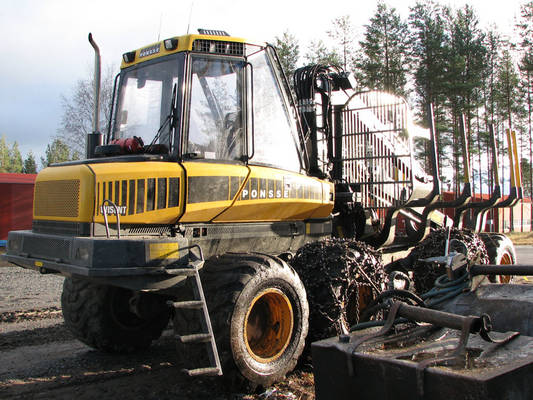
(104, 211)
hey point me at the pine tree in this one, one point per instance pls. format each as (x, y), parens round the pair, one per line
(429, 52)
(30, 166)
(57, 152)
(464, 75)
(5, 160)
(383, 52)
(288, 50)
(508, 100)
(16, 159)
(343, 34)
(319, 53)
(525, 30)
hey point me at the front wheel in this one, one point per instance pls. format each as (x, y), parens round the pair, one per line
(102, 316)
(259, 312)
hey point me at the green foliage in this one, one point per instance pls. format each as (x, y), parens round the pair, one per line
(319, 53)
(525, 30)
(288, 51)
(10, 157)
(382, 64)
(57, 152)
(30, 166)
(16, 158)
(343, 35)
(508, 100)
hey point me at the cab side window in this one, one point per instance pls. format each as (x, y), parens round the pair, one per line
(274, 132)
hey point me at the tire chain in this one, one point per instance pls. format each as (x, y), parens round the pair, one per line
(335, 272)
(425, 274)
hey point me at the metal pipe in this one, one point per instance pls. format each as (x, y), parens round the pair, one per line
(97, 75)
(438, 318)
(501, 269)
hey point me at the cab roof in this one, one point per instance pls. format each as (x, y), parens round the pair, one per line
(217, 43)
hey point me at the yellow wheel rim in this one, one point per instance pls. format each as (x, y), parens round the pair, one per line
(268, 325)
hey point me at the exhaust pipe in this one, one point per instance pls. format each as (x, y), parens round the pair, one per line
(94, 139)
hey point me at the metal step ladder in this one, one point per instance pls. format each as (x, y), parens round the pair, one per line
(198, 304)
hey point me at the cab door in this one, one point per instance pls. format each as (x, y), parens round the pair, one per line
(214, 148)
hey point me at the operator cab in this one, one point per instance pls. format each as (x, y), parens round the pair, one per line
(205, 97)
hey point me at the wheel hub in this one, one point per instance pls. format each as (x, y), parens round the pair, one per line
(268, 325)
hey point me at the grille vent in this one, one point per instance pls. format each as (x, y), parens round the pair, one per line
(135, 196)
(218, 47)
(48, 248)
(57, 198)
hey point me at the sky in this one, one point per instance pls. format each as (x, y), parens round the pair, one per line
(45, 51)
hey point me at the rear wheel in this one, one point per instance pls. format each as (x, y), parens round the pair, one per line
(103, 316)
(259, 313)
(342, 277)
(434, 245)
(501, 251)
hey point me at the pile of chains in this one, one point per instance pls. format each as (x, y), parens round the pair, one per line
(425, 274)
(340, 276)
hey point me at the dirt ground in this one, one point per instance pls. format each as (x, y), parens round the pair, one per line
(39, 358)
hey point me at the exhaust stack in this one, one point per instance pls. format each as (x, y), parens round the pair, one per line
(94, 139)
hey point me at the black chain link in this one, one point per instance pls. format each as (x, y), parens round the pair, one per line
(338, 275)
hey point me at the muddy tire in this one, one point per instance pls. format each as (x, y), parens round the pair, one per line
(259, 313)
(337, 290)
(100, 316)
(500, 250)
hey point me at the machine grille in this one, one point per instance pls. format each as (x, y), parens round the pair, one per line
(48, 248)
(218, 47)
(57, 198)
(136, 196)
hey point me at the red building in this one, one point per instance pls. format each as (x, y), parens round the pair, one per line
(16, 203)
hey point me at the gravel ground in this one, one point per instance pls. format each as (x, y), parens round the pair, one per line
(22, 289)
(41, 360)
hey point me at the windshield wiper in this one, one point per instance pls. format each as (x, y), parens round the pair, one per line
(170, 120)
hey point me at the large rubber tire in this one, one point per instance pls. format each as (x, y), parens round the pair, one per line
(259, 313)
(500, 250)
(336, 274)
(100, 316)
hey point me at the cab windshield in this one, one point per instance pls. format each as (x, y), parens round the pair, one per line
(145, 101)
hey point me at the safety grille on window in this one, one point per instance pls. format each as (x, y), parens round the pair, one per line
(57, 198)
(218, 47)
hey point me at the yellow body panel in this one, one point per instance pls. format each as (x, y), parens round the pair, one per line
(154, 192)
(211, 188)
(148, 192)
(64, 194)
(271, 194)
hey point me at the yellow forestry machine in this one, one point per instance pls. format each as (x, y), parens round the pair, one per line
(251, 214)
